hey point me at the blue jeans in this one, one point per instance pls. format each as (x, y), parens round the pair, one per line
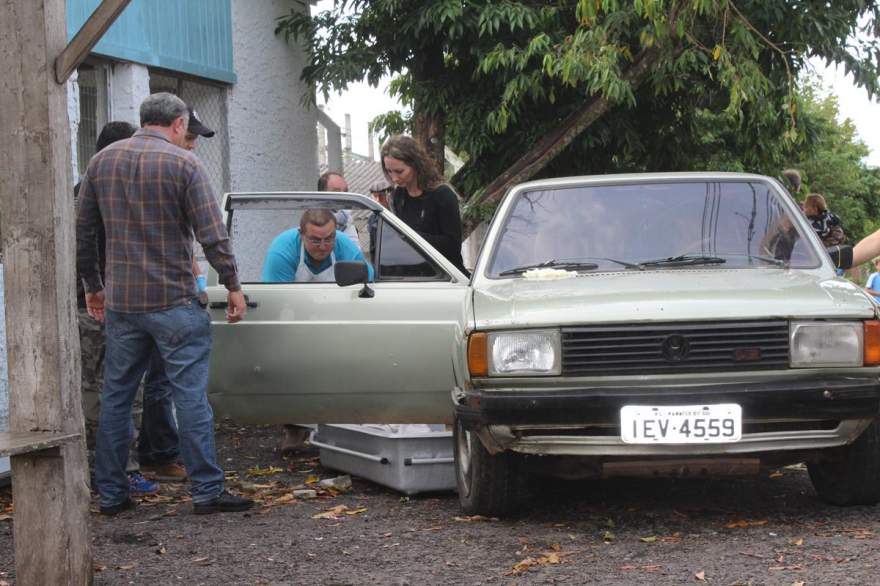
(182, 335)
(158, 440)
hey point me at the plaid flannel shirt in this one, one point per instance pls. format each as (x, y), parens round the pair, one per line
(150, 196)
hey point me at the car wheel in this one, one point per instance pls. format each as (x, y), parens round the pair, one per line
(490, 485)
(850, 475)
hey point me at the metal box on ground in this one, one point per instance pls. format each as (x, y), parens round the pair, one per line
(408, 458)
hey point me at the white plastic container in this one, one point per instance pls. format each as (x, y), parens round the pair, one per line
(411, 458)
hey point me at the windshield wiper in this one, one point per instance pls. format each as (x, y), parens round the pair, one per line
(684, 260)
(554, 264)
(767, 259)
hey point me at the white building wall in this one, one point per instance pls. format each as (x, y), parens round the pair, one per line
(73, 122)
(272, 140)
(129, 86)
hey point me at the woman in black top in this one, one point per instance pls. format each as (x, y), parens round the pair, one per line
(421, 198)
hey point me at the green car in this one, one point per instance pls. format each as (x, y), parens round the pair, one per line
(651, 324)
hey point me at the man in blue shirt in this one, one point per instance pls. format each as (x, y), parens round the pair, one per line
(307, 254)
(872, 286)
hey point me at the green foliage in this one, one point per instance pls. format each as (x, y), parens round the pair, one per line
(830, 160)
(503, 74)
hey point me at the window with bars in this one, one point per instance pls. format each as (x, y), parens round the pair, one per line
(92, 82)
(209, 102)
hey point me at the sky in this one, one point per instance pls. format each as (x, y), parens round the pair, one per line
(854, 104)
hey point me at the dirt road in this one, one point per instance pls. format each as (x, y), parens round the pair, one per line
(759, 530)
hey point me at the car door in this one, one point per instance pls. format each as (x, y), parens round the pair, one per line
(321, 353)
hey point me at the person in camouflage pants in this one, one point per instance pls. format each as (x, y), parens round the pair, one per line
(91, 345)
(91, 331)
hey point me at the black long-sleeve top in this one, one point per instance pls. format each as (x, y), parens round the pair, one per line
(435, 216)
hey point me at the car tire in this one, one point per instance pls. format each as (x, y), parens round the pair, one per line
(489, 485)
(850, 475)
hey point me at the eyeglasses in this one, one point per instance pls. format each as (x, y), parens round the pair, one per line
(321, 241)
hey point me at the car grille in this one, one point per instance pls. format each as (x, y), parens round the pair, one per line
(675, 348)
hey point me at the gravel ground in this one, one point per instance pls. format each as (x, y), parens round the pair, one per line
(769, 529)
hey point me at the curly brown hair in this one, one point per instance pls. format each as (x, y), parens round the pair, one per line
(405, 148)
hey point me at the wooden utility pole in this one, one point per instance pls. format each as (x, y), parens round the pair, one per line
(50, 475)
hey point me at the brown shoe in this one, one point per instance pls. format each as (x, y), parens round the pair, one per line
(170, 472)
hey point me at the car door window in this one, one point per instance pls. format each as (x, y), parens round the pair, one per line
(399, 259)
(255, 223)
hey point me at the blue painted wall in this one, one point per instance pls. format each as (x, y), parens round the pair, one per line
(190, 36)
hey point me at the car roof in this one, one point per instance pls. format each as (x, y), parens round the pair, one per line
(360, 201)
(630, 178)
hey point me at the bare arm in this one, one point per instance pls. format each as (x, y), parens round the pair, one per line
(868, 248)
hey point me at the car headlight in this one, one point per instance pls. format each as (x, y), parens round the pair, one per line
(816, 344)
(527, 352)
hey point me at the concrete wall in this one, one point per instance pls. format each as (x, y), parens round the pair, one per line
(272, 137)
(129, 85)
(73, 118)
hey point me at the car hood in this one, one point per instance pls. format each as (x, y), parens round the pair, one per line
(667, 295)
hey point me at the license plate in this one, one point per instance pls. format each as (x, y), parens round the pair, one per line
(681, 424)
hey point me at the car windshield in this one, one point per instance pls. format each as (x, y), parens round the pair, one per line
(662, 226)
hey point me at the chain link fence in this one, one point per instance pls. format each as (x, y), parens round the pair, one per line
(92, 83)
(209, 102)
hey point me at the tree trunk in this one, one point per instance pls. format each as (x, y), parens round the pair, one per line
(429, 124)
(429, 131)
(556, 140)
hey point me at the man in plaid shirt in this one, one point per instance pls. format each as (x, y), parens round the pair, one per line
(152, 196)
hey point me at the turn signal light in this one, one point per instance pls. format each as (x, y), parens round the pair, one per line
(478, 354)
(872, 343)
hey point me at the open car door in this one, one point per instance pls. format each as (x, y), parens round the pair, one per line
(321, 353)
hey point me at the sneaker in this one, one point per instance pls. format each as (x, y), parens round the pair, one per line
(223, 503)
(140, 486)
(170, 472)
(118, 508)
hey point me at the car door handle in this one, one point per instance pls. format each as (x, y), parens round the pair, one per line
(223, 304)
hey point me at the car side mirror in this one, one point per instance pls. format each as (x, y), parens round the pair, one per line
(352, 272)
(841, 255)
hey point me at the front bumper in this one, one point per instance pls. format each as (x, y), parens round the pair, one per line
(781, 415)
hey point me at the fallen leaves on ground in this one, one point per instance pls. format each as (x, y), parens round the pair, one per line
(475, 519)
(337, 512)
(650, 539)
(644, 568)
(743, 523)
(256, 471)
(701, 575)
(608, 537)
(530, 562)
(129, 566)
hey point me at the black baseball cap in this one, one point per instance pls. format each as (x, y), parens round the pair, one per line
(196, 126)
